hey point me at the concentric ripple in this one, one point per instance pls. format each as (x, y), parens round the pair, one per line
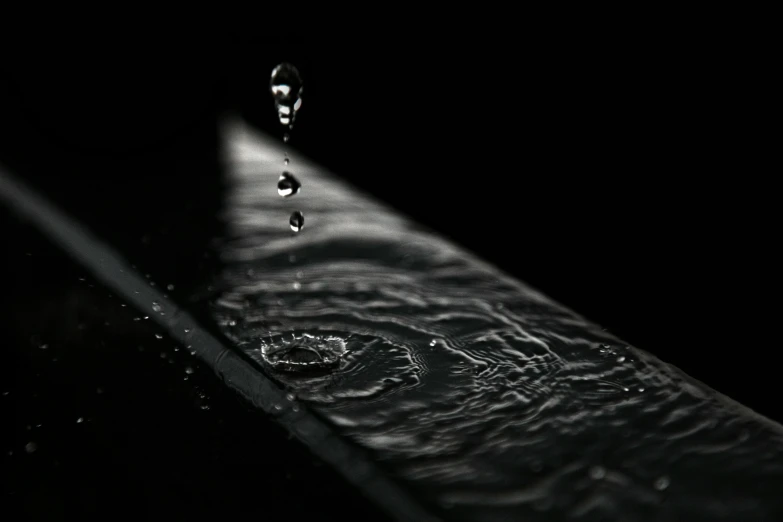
(491, 401)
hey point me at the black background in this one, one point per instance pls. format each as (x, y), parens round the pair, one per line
(621, 178)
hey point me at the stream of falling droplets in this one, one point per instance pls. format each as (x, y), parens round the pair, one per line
(286, 88)
(295, 352)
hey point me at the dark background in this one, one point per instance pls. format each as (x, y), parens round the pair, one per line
(620, 178)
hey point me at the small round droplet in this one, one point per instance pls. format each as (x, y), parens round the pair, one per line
(79, 420)
(156, 306)
(621, 359)
(286, 137)
(170, 287)
(30, 447)
(188, 370)
(187, 330)
(297, 285)
(286, 87)
(640, 389)
(278, 407)
(597, 472)
(290, 396)
(662, 483)
(288, 185)
(158, 336)
(296, 221)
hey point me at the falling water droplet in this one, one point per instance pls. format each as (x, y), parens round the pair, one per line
(286, 137)
(79, 420)
(621, 359)
(187, 330)
(158, 336)
(156, 306)
(288, 185)
(286, 87)
(286, 161)
(662, 483)
(296, 221)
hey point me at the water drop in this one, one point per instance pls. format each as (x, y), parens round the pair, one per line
(286, 161)
(640, 389)
(286, 87)
(296, 221)
(288, 185)
(662, 483)
(188, 370)
(30, 447)
(286, 137)
(597, 473)
(79, 420)
(290, 396)
(158, 336)
(297, 285)
(621, 359)
(156, 306)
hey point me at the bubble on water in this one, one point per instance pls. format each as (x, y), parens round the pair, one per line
(286, 87)
(290, 396)
(662, 483)
(640, 389)
(156, 307)
(31, 447)
(170, 287)
(303, 353)
(278, 407)
(296, 221)
(288, 185)
(597, 472)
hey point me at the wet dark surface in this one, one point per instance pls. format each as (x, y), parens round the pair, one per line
(103, 413)
(492, 401)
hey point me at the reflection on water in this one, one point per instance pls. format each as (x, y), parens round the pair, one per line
(492, 401)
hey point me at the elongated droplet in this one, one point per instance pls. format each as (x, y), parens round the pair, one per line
(288, 185)
(286, 87)
(296, 221)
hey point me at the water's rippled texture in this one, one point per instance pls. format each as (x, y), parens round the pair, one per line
(492, 401)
